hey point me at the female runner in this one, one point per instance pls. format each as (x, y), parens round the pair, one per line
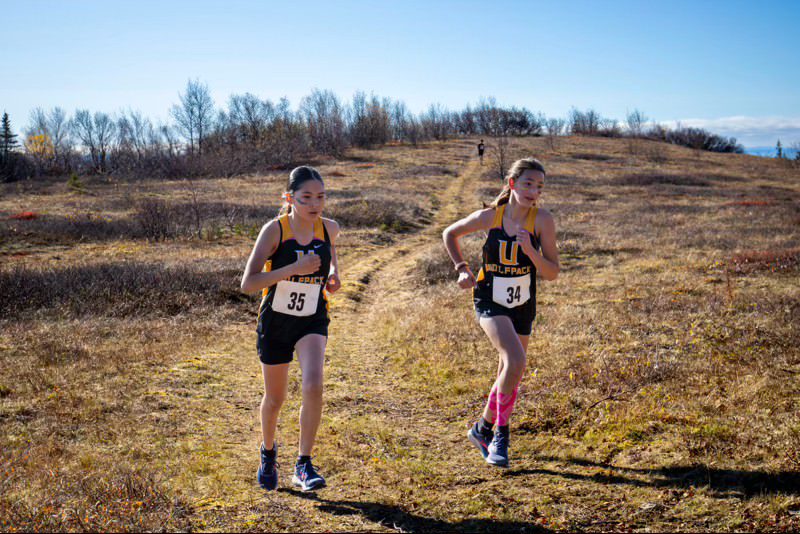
(293, 263)
(521, 241)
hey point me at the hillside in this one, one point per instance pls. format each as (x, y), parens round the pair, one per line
(661, 394)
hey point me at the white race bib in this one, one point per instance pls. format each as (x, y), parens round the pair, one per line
(511, 291)
(295, 298)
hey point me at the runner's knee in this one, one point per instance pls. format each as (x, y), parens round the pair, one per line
(272, 402)
(514, 361)
(312, 386)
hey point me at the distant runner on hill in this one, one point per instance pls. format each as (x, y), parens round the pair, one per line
(521, 241)
(297, 255)
(481, 148)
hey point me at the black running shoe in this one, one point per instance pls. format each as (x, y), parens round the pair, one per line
(477, 438)
(306, 477)
(498, 450)
(268, 470)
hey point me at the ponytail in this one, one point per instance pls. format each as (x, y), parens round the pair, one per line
(286, 208)
(502, 198)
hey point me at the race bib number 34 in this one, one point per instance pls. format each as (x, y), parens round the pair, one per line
(511, 291)
(295, 298)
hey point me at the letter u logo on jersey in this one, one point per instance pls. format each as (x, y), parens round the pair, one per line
(504, 259)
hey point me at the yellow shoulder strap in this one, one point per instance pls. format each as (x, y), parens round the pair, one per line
(267, 268)
(319, 230)
(531, 220)
(286, 228)
(498, 216)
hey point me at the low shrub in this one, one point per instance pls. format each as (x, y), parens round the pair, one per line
(376, 211)
(115, 290)
(767, 260)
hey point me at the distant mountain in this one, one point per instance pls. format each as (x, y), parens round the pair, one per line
(769, 151)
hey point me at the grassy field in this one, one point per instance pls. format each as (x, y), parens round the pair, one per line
(663, 388)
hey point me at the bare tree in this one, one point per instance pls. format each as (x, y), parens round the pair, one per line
(324, 117)
(500, 149)
(82, 126)
(289, 136)
(250, 117)
(168, 133)
(555, 128)
(398, 117)
(584, 122)
(370, 122)
(437, 122)
(635, 121)
(195, 114)
(142, 133)
(485, 116)
(53, 128)
(58, 127)
(134, 135)
(198, 214)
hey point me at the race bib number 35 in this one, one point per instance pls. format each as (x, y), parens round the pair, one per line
(295, 298)
(511, 291)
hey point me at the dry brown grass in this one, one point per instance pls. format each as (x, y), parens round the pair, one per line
(661, 390)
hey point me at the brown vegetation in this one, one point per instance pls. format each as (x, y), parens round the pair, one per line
(661, 390)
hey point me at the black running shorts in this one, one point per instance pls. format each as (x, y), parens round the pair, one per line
(279, 333)
(521, 317)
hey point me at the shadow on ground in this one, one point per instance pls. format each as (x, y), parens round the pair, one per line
(395, 518)
(725, 482)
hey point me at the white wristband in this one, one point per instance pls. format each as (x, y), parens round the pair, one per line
(460, 265)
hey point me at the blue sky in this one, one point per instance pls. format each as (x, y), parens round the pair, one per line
(731, 66)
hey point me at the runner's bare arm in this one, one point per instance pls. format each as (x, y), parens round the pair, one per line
(546, 262)
(479, 220)
(474, 222)
(334, 279)
(267, 242)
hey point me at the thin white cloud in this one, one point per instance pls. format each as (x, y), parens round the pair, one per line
(750, 131)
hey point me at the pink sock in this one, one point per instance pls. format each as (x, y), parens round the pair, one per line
(502, 405)
(505, 405)
(492, 402)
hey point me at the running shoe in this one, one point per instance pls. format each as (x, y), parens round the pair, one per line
(306, 477)
(498, 450)
(477, 438)
(268, 470)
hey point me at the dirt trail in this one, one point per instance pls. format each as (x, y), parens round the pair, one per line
(386, 274)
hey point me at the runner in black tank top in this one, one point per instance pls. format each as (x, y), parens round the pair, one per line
(297, 306)
(506, 283)
(520, 244)
(294, 265)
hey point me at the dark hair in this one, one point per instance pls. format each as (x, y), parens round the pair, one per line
(297, 178)
(519, 166)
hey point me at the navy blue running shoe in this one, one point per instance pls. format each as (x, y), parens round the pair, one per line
(306, 477)
(268, 470)
(479, 440)
(498, 450)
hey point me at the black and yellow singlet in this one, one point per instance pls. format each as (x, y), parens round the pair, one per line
(507, 279)
(300, 296)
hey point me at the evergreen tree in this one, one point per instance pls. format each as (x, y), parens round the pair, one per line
(8, 140)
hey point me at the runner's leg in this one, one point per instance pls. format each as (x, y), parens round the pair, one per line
(311, 356)
(275, 384)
